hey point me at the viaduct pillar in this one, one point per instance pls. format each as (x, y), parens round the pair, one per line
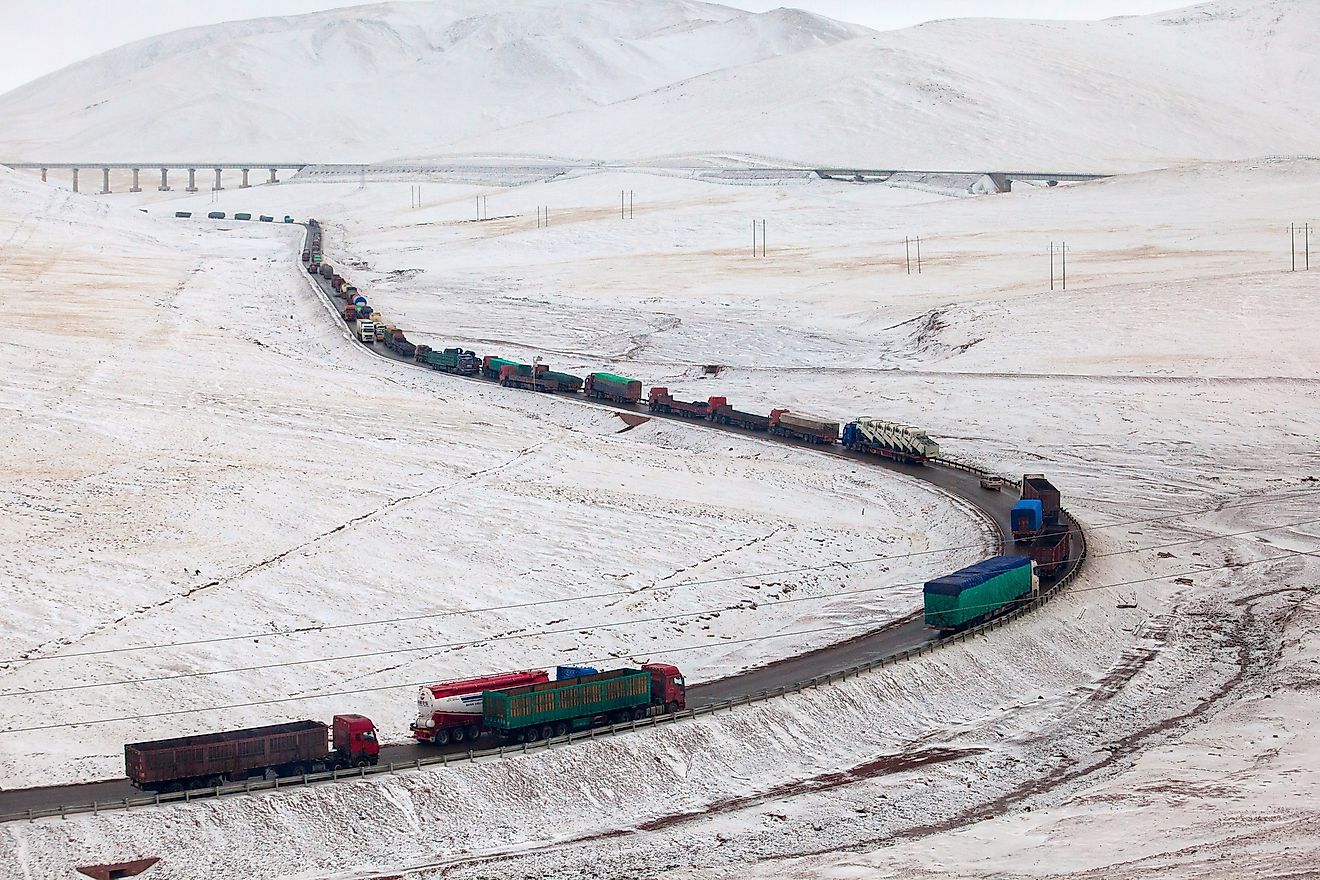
(273, 178)
(192, 180)
(75, 180)
(217, 179)
(105, 181)
(164, 180)
(244, 184)
(136, 187)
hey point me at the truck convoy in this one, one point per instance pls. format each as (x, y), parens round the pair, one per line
(211, 759)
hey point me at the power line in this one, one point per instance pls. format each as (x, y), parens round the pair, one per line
(614, 594)
(749, 639)
(743, 605)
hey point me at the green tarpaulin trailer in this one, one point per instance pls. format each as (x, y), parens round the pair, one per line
(978, 592)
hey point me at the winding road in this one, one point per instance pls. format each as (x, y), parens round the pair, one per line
(888, 638)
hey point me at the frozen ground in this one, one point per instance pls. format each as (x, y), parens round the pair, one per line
(1135, 718)
(196, 452)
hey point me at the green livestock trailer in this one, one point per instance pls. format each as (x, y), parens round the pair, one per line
(554, 707)
(979, 592)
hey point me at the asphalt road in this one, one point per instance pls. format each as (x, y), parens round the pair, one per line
(889, 637)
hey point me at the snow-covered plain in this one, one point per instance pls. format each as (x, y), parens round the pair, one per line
(198, 452)
(1171, 380)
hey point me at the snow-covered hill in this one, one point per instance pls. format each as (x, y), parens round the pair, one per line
(615, 79)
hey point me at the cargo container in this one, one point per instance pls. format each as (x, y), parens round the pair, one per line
(513, 377)
(566, 672)
(216, 215)
(183, 213)
(565, 382)
(211, 759)
(327, 271)
(364, 310)
(450, 711)
(889, 440)
(979, 592)
(243, 215)
(306, 256)
(727, 415)
(661, 401)
(551, 709)
(266, 218)
(453, 360)
(422, 353)
(492, 364)
(350, 313)
(799, 426)
(1026, 518)
(1036, 486)
(607, 386)
(1050, 551)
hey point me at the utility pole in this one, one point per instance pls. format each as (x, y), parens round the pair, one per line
(1292, 244)
(907, 253)
(1051, 266)
(1308, 246)
(763, 238)
(918, 254)
(1063, 253)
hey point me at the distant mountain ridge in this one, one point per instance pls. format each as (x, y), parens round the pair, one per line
(625, 80)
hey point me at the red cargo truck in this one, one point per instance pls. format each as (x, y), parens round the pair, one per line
(532, 380)
(1050, 550)
(661, 401)
(726, 415)
(450, 711)
(799, 426)
(350, 313)
(211, 759)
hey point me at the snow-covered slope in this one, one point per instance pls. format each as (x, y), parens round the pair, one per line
(613, 79)
(388, 79)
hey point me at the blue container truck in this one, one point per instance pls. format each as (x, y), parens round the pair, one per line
(979, 592)
(1026, 518)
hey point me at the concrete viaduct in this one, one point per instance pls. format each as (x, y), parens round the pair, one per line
(165, 168)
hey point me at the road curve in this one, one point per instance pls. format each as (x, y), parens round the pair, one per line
(886, 639)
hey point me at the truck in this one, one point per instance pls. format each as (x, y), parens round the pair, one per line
(363, 310)
(327, 271)
(529, 378)
(565, 382)
(216, 215)
(607, 386)
(979, 592)
(661, 401)
(422, 354)
(454, 360)
(451, 711)
(492, 364)
(889, 440)
(542, 711)
(1036, 486)
(183, 213)
(243, 215)
(211, 759)
(799, 426)
(1026, 518)
(306, 256)
(266, 218)
(350, 313)
(724, 414)
(367, 332)
(1050, 551)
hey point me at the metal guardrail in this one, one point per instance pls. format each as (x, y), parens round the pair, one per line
(652, 722)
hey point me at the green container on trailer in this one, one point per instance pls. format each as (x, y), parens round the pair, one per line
(243, 216)
(977, 591)
(569, 700)
(566, 381)
(495, 364)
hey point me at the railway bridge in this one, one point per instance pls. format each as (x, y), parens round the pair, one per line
(165, 168)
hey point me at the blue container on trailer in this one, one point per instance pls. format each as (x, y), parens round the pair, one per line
(850, 434)
(359, 300)
(563, 672)
(1026, 518)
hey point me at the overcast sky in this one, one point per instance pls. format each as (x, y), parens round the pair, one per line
(44, 36)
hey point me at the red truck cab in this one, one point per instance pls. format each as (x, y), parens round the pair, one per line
(668, 688)
(354, 739)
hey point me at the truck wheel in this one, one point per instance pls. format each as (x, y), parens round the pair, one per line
(548, 731)
(361, 761)
(672, 707)
(456, 734)
(441, 738)
(639, 713)
(215, 782)
(473, 732)
(561, 728)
